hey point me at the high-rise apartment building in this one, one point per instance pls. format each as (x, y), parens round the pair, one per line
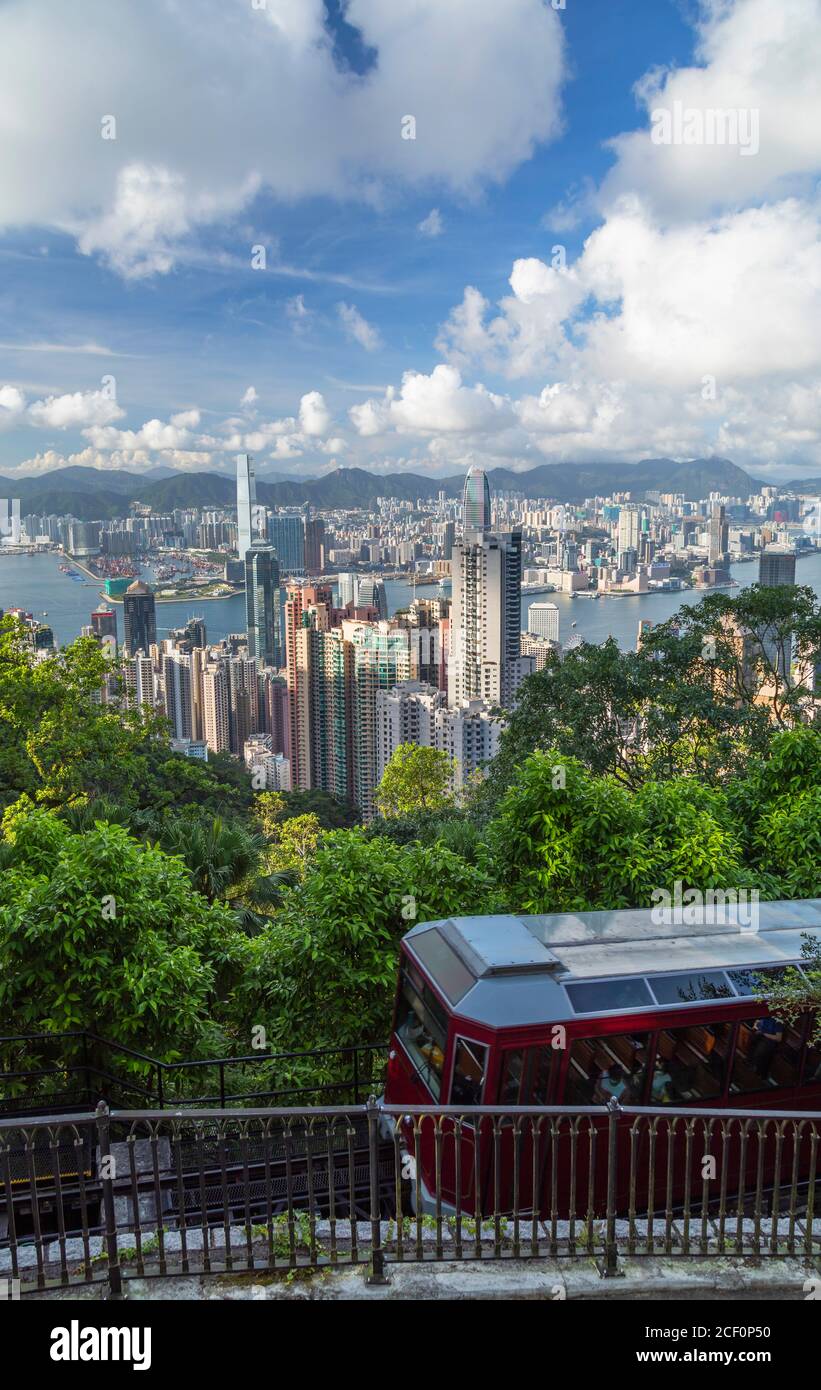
(104, 623)
(139, 618)
(217, 728)
(485, 661)
(176, 685)
(263, 605)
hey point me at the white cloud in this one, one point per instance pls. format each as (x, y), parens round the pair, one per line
(12, 405)
(314, 416)
(74, 410)
(437, 403)
(432, 225)
(249, 398)
(357, 328)
(481, 79)
(756, 56)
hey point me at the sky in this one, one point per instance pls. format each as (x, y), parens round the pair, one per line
(409, 234)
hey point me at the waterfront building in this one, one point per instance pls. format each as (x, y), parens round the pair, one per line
(246, 502)
(139, 618)
(543, 620)
(476, 501)
(287, 535)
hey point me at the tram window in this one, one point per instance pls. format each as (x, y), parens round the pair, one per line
(511, 1077)
(687, 989)
(601, 1069)
(767, 1054)
(539, 1066)
(422, 1027)
(812, 1060)
(695, 1061)
(469, 1070)
(601, 996)
(755, 979)
(442, 964)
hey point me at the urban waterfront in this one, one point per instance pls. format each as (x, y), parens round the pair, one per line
(35, 583)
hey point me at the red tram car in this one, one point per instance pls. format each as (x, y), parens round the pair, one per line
(577, 1010)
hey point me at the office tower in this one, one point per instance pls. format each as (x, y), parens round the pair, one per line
(287, 535)
(776, 567)
(372, 595)
(485, 658)
(139, 618)
(104, 622)
(246, 502)
(263, 600)
(176, 683)
(719, 537)
(347, 590)
(476, 501)
(216, 722)
(15, 521)
(543, 620)
(5, 524)
(314, 546)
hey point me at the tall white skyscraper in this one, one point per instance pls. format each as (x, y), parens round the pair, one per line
(543, 620)
(485, 660)
(246, 503)
(476, 501)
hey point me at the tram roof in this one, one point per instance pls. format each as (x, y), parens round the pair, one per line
(507, 971)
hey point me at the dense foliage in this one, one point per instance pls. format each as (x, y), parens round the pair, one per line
(160, 902)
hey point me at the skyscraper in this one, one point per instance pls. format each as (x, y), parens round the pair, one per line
(176, 679)
(139, 618)
(476, 501)
(372, 595)
(776, 567)
(543, 620)
(263, 599)
(485, 660)
(719, 542)
(246, 501)
(287, 535)
(314, 546)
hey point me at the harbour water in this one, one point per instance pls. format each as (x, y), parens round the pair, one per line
(35, 583)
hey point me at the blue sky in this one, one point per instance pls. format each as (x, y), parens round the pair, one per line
(390, 264)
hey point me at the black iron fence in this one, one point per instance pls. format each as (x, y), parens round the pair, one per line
(74, 1070)
(109, 1195)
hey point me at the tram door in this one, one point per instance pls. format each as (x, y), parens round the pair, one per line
(470, 1060)
(515, 1152)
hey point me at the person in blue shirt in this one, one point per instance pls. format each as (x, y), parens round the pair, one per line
(769, 1034)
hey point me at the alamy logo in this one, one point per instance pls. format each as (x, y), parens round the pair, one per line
(693, 125)
(717, 907)
(76, 1343)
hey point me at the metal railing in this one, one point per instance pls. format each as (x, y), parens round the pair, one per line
(86, 1067)
(105, 1196)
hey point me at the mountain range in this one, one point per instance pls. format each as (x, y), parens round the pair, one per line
(92, 494)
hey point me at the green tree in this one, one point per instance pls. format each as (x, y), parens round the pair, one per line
(293, 844)
(324, 972)
(415, 779)
(102, 933)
